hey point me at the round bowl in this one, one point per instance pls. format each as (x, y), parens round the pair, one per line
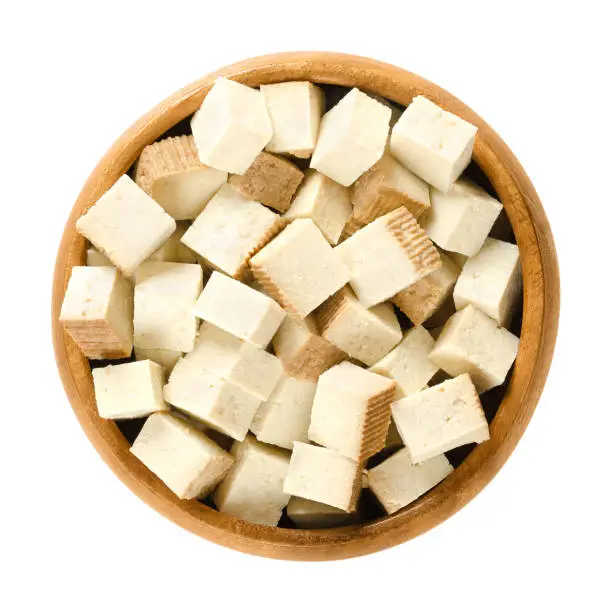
(538, 332)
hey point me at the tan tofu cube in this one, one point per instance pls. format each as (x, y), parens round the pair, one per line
(308, 514)
(188, 462)
(126, 225)
(95, 258)
(97, 312)
(232, 126)
(166, 359)
(352, 137)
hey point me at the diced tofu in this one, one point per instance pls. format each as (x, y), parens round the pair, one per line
(97, 312)
(324, 476)
(185, 459)
(308, 514)
(396, 482)
(299, 269)
(440, 418)
(352, 137)
(166, 359)
(433, 143)
(253, 489)
(173, 249)
(232, 126)
(473, 343)
(95, 258)
(129, 390)
(351, 411)
(126, 224)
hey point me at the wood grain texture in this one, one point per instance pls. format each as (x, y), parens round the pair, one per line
(539, 329)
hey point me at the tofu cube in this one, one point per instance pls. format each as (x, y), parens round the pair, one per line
(129, 390)
(408, 363)
(295, 109)
(308, 514)
(366, 334)
(387, 256)
(166, 359)
(324, 476)
(284, 417)
(232, 126)
(230, 230)
(460, 220)
(351, 411)
(171, 172)
(97, 312)
(164, 299)
(422, 299)
(126, 225)
(325, 202)
(396, 482)
(473, 343)
(299, 269)
(188, 462)
(433, 143)
(95, 258)
(491, 281)
(173, 249)
(352, 137)
(253, 489)
(271, 180)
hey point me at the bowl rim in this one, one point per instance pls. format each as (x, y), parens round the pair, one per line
(538, 334)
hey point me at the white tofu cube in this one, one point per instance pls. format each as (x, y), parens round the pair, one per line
(440, 418)
(299, 269)
(408, 363)
(351, 411)
(352, 137)
(253, 489)
(433, 143)
(473, 343)
(491, 281)
(325, 202)
(185, 459)
(173, 249)
(126, 225)
(239, 310)
(324, 476)
(295, 109)
(230, 230)
(308, 514)
(284, 417)
(164, 299)
(396, 482)
(232, 126)
(129, 390)
(95, 258)
(166, 359)
(460, 220)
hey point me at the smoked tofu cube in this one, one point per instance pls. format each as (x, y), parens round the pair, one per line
(240, 310)
(253, 489)
(473, 343)
(387, 256)
(352, 137)
(491, 281)
(351, 411)
(230, 230)
(270, 180)
(171, 172)
(308, 514)
(97, 312)
(164, 299)
(299, 269)
(433, 143)
(95, 258)
(284, 417)
(366, 334)
(295, 109)
(188, 462)
(396, 482)
(232, 126)
(408, 363)
(126, 225)
(324, 476)
(129, 390)
(166, 359)
(440, 418)
(325, 202)
(460, 220)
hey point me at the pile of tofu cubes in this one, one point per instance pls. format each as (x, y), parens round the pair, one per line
(282, 285)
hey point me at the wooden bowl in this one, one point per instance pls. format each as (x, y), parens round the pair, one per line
(538, 335)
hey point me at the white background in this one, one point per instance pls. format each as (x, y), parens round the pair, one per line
(75, 75)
